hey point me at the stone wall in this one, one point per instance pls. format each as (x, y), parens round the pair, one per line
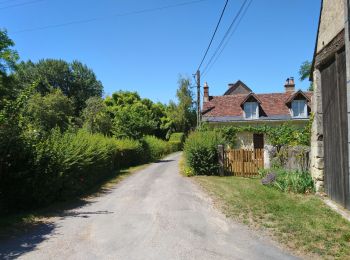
(288, 157)
(317, 153)
(332, 22)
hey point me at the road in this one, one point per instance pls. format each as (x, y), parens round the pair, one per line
(154, 214)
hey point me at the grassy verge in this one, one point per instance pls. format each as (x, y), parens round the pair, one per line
(301, 222)
(12, 223)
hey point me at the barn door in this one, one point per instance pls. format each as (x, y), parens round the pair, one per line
(334, 103)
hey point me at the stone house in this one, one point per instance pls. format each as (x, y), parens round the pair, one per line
(240, 106)
(331, 102)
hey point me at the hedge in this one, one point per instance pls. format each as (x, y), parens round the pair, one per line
(177, 140)
(201, 152)
(68, 164)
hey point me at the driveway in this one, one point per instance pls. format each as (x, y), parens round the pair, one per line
(154, 214)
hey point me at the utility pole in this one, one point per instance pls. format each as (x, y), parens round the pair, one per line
(198, 74)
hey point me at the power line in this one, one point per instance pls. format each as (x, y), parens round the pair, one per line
(226, 35)
(212, 38)
(228, 40)
(94, 19)
(20, 4)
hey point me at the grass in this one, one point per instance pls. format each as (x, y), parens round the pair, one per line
(17, 222)
(301, 222)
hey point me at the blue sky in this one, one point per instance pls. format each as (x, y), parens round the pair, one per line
(147, 52)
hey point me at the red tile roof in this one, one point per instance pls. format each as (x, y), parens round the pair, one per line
(273, 104)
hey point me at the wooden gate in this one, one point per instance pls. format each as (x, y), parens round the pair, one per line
(334, 102)
(244, 162)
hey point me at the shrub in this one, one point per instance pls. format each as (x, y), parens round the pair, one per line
(201, 152)
(130, 152)
(156, 148)
(177, 140)
(68, 164)
(291, 181)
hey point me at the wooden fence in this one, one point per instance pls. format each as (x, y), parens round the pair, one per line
(243, 162)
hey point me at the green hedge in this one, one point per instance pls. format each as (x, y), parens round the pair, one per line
(177, 140)
(67, 165)
(156, 148)
(201, 152)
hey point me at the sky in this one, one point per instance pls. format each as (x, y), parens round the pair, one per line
(145, 46)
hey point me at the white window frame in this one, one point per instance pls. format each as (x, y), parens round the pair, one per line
(253, 110)
(299, 106)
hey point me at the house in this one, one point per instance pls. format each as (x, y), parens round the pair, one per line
(331, 104)
(240, 106)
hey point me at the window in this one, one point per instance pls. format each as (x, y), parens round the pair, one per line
(299, 108)
(251, 110)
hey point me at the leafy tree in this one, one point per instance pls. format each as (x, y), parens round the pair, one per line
(8, 57)
(132, 116)
(305, 72)
(182, 114)
(44, 113)
(75, 79)
(95, 116)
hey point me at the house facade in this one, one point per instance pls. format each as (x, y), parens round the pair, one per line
(240, 106)
(331, 104)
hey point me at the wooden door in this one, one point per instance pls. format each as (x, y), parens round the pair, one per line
(335, 123)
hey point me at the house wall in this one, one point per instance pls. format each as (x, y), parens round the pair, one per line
(245, 141)
(332, 22)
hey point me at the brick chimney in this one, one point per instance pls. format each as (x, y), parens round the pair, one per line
(206, 92)
(290, 85)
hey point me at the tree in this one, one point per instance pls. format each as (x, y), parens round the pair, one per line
(8, 57)
(75, 79)
(133, 117)
(8, 60)
(95, 116)
(44, 113)
(182, 114)
(305, 72)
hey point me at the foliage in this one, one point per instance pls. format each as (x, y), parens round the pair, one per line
(75, 79)
(95, 116)
(67, 164)
(201, 152)
(291, 181)
(134, 117)
(285, 134)
(156, 148)
(182, 116)
(131, 152)
(44, 113)
(8, 56)
(177, 140)
(8, 59)
(305, 72)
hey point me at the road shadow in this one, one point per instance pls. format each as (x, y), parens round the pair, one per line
(16, 246)
(84, 214)
(164, 161)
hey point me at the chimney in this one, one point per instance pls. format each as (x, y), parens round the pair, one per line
(290, 85)
(206, 92)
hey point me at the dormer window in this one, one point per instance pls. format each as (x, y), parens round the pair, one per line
(251, 110)
(299, 108)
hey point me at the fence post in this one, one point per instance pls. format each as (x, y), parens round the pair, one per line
(221, 153)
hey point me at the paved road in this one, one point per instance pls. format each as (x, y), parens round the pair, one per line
(154, 214)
